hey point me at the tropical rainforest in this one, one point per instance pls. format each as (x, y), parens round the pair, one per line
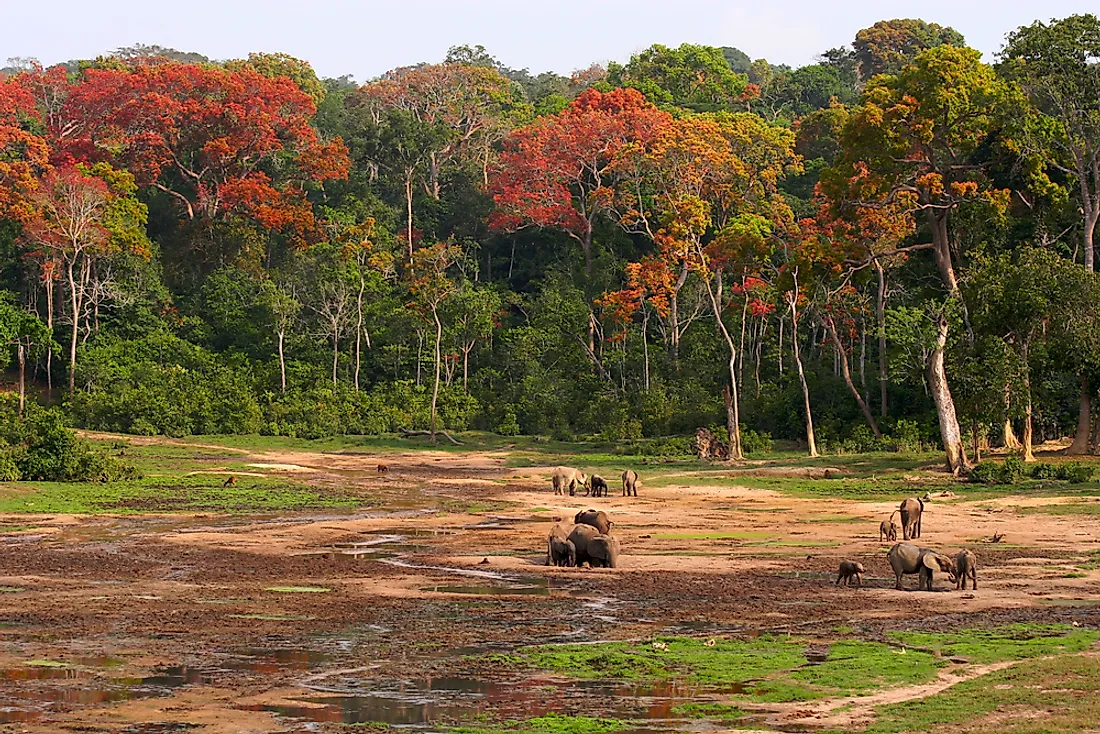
(890, 248)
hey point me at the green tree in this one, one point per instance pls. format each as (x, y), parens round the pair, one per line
(20, 332)
(914, 140)
(691, 76)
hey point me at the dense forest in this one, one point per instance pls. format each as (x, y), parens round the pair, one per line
(888, 249)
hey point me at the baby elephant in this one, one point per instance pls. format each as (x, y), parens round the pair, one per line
(598, 486)
(562, 552)
(966, 566)
(597, 519)
(850, 570)
(906, 558)
(888, 529)
(630, 483)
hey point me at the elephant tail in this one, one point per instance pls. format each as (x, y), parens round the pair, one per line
(892, 515)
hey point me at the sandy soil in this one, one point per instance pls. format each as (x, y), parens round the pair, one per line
(121, 598)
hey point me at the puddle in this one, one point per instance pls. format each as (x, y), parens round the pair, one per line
(423, 702)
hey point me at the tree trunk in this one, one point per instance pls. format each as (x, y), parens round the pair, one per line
(733, 409)
(870, 418)
(335, 355)
(1010, 441)
(812, 443)
(645, 347)
(438, 361)
(75, 334)
(863, 361)
(674, 315)
(359, 327)
(282, 361)
(976, 440)
(409, 209)
(880, 323)
(466, 367)
(945, 404)
(49, 326)
(1029, 431)
(22, 379)
(741, 346)
(937, 374)
(1080, 445)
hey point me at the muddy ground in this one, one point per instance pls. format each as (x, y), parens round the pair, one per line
(386, 612)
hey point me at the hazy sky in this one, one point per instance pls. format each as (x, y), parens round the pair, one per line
(368, 37)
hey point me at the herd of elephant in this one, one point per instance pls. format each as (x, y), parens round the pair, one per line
(589, 539)
(907, 558)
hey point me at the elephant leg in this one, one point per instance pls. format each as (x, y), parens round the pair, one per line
(897, 581)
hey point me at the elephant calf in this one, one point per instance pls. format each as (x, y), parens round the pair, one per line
(597, 519)
(630, 483)
(595, 548)
(888, 529)
(906, 558)
(850, 570)
(598, 486)
(562, 552)
(565, 478)
(966, 566)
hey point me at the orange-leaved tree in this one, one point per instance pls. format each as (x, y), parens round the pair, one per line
(704, 189)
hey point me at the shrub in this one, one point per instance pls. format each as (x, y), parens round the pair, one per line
(1075, 472)
(1044, 470)
(40, 447)
(985, 472)
(753, 442)
(1012, 470)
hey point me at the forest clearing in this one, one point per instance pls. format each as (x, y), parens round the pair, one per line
(316, 592)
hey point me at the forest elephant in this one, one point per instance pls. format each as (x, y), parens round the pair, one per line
(911, 511)
(562, 552)
(558, 533)
(888, 530)
(906, 558)
(595, 548)
(630, 483)
(565, 479)
(849, 571)
(598, 486)
(596, 518)
(966, 567)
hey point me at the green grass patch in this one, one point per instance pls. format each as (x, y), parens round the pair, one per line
(850, 668)
(1063, 508)
(1059, 694)
(549, 724)
(46, 664)
(1012, 642)
(159, 494)
(298, 589)
(726, 662)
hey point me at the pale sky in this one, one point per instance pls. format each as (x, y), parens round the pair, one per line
(368, 37)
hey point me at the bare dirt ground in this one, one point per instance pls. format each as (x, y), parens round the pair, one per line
(252, 624)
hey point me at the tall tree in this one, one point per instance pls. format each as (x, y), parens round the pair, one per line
(557, 172)
(1058, 66)
(914, 140)
(23, 154)
(889, 45)
(691, 76)
(82, 214)
(431, 287)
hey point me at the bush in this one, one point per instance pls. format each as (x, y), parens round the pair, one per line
(753, 442)
(985, 472)
(1012, 470)
(1043, 470)
(40, 447)
(1075, 472)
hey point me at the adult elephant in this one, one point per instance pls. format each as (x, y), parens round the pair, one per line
(906, 558)
(566, 478)
(911, 511)
(630, 483)
(596, 518)
(599, 550)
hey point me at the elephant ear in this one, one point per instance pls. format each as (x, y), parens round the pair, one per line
(932, 562)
